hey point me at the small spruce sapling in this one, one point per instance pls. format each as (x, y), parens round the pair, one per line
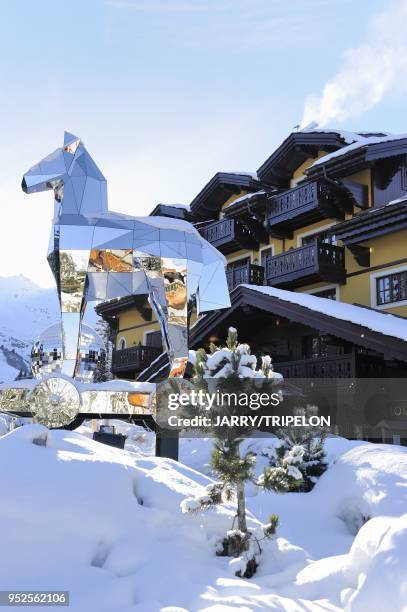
(234, 368)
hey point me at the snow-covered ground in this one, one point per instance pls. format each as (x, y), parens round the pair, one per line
(106, 525)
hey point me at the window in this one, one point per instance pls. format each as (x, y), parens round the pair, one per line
(239, 263)
(314, 347)
(326, 237)
(153, 339)
(318, 347)
(122, 344)
(391, 288)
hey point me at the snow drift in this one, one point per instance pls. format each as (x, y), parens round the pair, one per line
(107, 525)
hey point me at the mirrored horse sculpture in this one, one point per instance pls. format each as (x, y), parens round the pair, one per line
(100, 255)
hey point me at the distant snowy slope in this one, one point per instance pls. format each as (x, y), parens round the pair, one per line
(25, 311)
(25, 308)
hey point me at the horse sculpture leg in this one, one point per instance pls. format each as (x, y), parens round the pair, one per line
(71, 333)
(73, 273)
(168, 299)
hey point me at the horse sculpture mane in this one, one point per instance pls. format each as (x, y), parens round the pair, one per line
(95, 254)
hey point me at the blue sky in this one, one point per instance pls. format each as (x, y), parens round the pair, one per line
(165, 93)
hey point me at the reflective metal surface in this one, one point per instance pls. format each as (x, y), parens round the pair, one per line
(116, 402)
(55, 402)
(46, 354)
(99, 255)
(14, 400)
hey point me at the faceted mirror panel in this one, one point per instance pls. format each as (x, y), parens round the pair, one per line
(165, 258)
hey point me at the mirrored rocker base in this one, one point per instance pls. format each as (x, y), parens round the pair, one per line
(58, 402)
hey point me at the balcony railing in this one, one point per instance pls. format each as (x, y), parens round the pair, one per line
(134, 358)
(228, 235)
(247, 274)
(304, 204)
(335, 366)
(300, 197)
(310, 263)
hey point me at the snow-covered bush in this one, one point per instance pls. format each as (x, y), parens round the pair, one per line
(234, 359)
(299, 459)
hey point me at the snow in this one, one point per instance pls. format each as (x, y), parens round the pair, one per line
(363, 141)
(347, 136)
(108, 526)
(103, 524)
(7, 372)
(241, 172)
(379, 569)
(223, 357)
(382, 323)
(246, 197)
(110, 385)
(26, 310)
(184, 206)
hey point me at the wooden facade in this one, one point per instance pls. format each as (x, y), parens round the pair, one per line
(317, 218)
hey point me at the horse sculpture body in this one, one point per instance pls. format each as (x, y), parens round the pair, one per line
(100, 255)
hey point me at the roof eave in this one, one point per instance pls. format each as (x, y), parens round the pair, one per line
(269, 172)
(208, 202)
(389, 346)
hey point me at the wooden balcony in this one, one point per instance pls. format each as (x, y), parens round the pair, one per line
(135, 358)
(305, 204)
(315, 262)
(228, 235)
(336, 366)
(247, 274)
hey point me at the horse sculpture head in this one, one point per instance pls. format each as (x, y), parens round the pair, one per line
(71, 171)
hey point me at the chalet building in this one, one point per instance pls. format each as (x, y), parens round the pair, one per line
(316, 244)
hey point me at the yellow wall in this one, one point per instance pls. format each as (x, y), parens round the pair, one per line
(131, 329)
(231, 199)
(242, 253)
(388, 250)
(309, 229)
(299, 173)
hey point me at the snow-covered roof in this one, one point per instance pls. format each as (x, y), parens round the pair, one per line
(362, 140)
(178, 205)
(347, 136)
(242, 173)
(374, 320)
